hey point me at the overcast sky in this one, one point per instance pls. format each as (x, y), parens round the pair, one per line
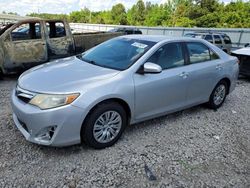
(24, 7)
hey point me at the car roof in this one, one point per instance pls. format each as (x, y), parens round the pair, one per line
(206, 33)
(159, 38)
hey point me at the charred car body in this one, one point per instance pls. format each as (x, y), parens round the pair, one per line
(35, 41)
(243, 55)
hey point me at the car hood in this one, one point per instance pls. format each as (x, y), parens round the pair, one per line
(64, 76)
(242, 51)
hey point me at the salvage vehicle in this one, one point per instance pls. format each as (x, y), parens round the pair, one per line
(93, 96)
(126, 30)
(35, 41)
(221, 40)
(243, 55)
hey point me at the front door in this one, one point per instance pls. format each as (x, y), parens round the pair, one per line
(27, 44)
(157, 94)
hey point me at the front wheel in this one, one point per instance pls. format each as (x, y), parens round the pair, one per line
(218, 95)
(104, 125)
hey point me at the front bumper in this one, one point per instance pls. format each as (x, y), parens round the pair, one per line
(31, 121)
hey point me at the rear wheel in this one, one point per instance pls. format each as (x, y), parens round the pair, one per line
(1, 74)
(218, 95)
(104, 125)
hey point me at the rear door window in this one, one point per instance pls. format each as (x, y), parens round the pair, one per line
(199, 52)
(56, 29)
(217, 39)
(227, 40)
(209, 38)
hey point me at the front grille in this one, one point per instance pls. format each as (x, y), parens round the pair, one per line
(24, 95)
(26, 100)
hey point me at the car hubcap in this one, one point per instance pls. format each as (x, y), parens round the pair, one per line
(107, 126)
(219, 94)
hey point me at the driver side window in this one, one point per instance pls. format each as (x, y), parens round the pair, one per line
(168, 56)
(27, 31)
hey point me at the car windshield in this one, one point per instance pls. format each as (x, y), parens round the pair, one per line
(119, 53)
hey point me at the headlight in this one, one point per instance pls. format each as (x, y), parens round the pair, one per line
(46, 101)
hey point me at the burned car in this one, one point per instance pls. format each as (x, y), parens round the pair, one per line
(29, 42)
(243, 55)
(35, 41)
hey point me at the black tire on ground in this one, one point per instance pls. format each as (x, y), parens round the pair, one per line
(1, 74)
(211, 103)
(87, 133)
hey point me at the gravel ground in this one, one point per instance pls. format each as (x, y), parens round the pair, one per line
(197, 147)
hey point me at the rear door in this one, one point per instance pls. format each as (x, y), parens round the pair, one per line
(60, 40)
(164, 92)
(27, 44)
(227, 43)
(204, 70)
(218, 42)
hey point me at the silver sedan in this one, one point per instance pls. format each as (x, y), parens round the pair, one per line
(92, 97)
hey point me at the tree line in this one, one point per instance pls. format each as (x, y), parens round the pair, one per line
(174, 13)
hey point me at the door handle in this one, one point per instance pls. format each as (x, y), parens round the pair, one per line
(184, 75)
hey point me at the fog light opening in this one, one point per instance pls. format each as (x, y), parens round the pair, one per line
(51, 131)
(46, 134)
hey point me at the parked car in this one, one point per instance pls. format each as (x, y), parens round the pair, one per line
(92, 97)
(126, 30)
(243, 55)
(35, 41)
(221, 40)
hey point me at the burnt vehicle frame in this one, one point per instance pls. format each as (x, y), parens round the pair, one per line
(43, 41)
(243, 55)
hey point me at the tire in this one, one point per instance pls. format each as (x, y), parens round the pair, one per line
(1, 74)
(218, 95)
(96, 127)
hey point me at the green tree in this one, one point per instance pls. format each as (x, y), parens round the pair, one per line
(49, 16)
(137, 14)
(179, 13)
(157, 15)
(83, 16)
(118, 14)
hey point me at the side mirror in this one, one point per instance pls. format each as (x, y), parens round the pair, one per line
(247, 44)
(151, 68)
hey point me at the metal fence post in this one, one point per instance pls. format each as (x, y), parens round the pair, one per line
(183, 32)
(239, 42)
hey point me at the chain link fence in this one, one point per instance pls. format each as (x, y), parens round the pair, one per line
(239, 36)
